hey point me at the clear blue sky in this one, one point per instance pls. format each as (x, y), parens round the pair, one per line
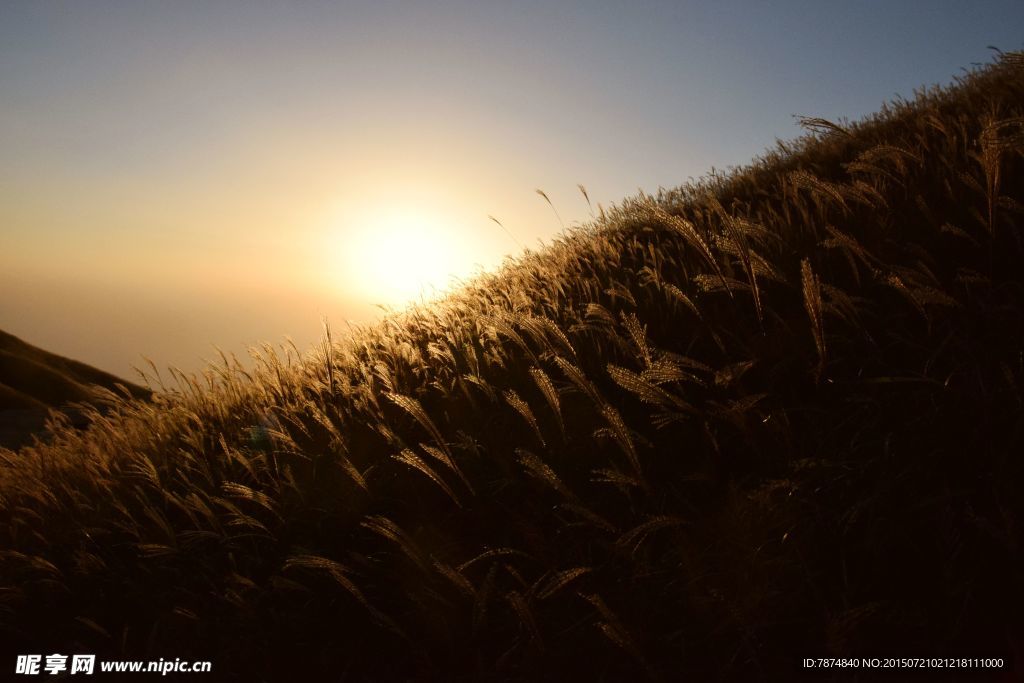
(175, 175)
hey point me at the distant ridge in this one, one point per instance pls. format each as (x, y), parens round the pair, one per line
(34, 381)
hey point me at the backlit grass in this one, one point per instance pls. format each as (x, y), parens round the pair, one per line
(775, 413)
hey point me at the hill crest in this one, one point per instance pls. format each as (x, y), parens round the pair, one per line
(34, 381)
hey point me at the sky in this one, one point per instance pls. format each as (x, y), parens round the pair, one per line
(180, 177)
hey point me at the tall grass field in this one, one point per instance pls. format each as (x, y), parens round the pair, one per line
(774, 414)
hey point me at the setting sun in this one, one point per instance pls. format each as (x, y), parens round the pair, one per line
(396, 255)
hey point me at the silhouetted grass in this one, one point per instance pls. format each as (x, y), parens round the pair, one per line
(773, 414)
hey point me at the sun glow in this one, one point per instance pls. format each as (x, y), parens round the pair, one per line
(395, 255)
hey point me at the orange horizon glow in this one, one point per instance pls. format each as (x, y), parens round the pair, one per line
(174, 178)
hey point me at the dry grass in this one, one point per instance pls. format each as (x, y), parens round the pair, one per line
(769, 414)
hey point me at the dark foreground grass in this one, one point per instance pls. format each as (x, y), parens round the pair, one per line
(772, 415)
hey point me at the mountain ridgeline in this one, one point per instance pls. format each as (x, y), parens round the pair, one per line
(33, 382)
(774, 414)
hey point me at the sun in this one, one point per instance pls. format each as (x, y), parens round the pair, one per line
(396, 255)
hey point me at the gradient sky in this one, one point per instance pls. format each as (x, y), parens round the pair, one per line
(178, 175)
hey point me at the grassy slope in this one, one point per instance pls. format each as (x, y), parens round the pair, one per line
(771, 415)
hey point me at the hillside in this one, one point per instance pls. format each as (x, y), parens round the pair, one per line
(772, 415)
(34, 381)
